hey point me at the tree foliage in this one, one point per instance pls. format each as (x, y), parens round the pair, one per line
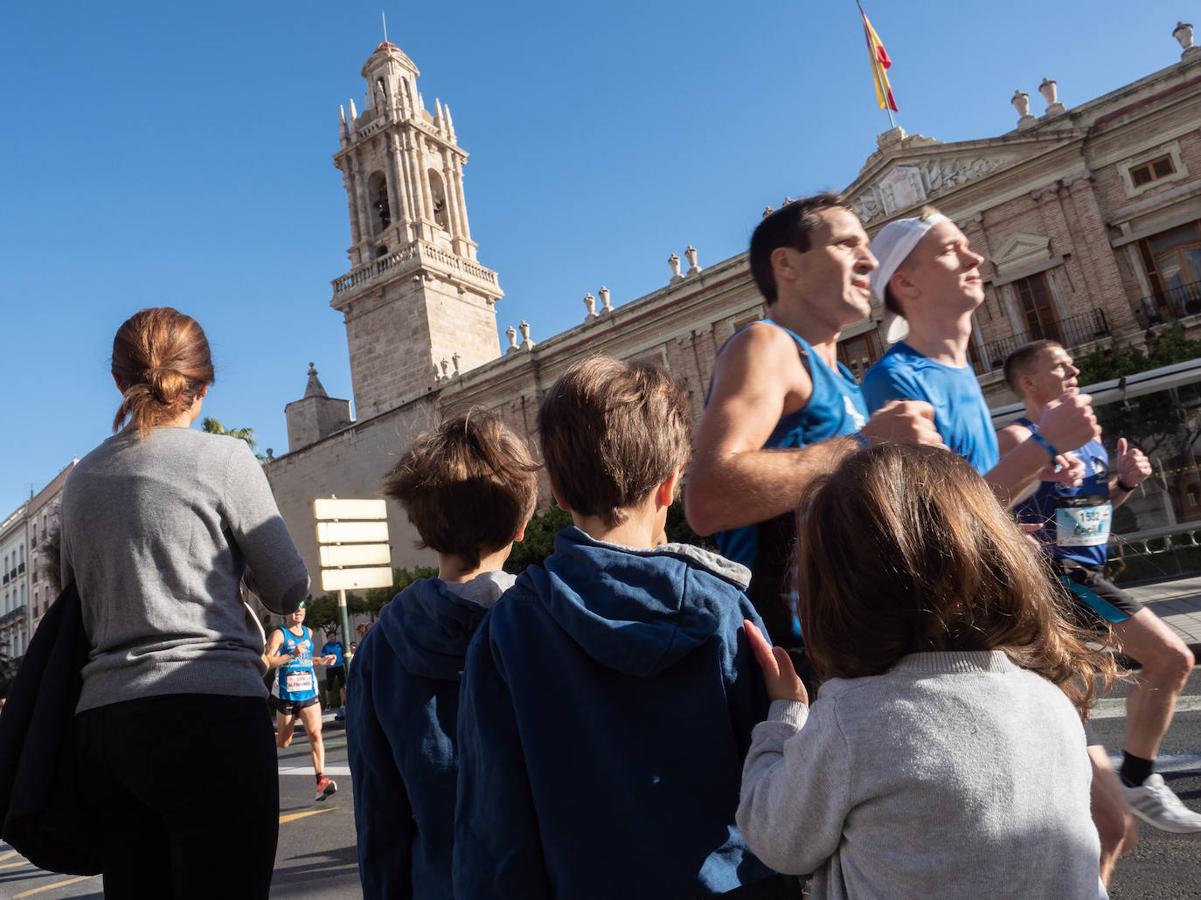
(321, 613)
(1151, 419)
(214, 426)
(539, 541)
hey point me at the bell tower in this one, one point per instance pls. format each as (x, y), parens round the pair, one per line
(415, 294)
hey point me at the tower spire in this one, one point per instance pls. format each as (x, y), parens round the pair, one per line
(383, 17)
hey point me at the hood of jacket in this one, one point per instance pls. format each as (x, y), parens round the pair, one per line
(636, 611)
(429, 624)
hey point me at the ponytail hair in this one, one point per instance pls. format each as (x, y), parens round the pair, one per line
(162, 362)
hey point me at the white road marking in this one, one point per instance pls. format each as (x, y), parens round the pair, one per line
(1168, 762)
(308, 770)
(1115, 707)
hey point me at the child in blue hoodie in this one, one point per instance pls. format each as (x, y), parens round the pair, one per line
(609, 696)
(469, 488)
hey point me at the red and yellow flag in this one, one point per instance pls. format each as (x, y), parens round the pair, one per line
(880, 65)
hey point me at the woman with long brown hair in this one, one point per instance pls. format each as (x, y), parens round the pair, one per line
(944, 756)
(160, 523)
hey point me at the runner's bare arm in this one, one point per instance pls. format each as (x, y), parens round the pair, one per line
(733, 481)
(271, 656)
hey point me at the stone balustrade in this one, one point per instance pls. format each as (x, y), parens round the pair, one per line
(420, 252)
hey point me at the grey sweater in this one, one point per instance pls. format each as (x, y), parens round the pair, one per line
(156, 535)
(953, 775)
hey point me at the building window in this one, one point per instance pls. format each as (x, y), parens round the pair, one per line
(859, 352)
(1152, 170)
(438, 199)
(1172, 260)
(1038, 307)
(377, 194)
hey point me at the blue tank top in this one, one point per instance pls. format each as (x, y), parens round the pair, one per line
(297, 681)
(960, 412)
(835, 409)
(1075, 521)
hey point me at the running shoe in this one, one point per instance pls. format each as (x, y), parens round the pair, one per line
(327, 786)
(1154, 803)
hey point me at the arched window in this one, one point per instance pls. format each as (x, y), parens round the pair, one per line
(377, 197)
(438, 198)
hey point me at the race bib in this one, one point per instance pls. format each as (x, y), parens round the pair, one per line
(298, 682)
(1083, 521)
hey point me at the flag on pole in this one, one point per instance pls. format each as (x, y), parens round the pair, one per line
(880, 65)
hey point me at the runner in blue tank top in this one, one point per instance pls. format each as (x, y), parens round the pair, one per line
(1075, 532)
(294, 691)
(929, 283)
(781, 411)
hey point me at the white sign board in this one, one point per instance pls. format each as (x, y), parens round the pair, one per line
(352, 532)
(339, 556)
(328, 508)
(356, 579)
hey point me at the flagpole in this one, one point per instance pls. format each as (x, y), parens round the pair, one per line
(871, 52)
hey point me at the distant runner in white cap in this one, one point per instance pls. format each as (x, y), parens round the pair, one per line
(929, 282)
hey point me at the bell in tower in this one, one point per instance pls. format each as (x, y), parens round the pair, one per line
(415, 292)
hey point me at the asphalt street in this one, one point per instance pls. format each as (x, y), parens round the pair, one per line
(316, 855)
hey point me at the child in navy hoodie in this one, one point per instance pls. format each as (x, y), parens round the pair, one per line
(609, 696)
(469, 488)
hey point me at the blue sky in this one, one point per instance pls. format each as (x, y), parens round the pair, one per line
(180, 154)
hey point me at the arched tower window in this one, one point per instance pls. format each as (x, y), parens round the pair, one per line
(408, 95)
(438, 196)
(377, 197)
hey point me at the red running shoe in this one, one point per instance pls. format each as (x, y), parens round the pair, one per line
(325, 787)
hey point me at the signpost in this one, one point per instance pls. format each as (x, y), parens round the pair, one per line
(352, 540)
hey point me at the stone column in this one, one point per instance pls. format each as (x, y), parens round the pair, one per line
(457, 175)
(452, 198)
(1105, 281)
(417, 174)
(351, 202)
(360, 200)
(404, 186)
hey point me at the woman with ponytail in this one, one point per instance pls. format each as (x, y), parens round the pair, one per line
(161, 523)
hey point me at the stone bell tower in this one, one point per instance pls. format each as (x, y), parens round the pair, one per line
(414, 295)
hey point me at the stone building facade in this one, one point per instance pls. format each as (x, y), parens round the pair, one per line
(1090, 218)
(43, 521)
(14, 589)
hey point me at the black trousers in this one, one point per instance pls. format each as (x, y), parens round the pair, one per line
(183, 793)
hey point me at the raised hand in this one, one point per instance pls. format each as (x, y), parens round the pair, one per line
(904, 422)
(1068, 422)
(778, 673)
(1067, 470)
(1133, 466)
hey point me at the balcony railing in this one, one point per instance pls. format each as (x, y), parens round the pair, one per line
(414, 255)
(1072, 332)
(1166, 306)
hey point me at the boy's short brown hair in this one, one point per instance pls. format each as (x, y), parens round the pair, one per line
(468, 486)
(611, 433)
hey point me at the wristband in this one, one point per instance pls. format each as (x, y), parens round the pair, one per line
(1045, 444)
(1125, 488)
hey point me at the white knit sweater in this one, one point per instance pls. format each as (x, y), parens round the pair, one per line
(953, 775)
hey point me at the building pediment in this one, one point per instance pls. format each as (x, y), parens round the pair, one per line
(909, 172)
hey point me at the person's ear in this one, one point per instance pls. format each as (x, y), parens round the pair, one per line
(665, 494)
(784, 264)
(117, 382)
(520, 536)
(203, 392)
